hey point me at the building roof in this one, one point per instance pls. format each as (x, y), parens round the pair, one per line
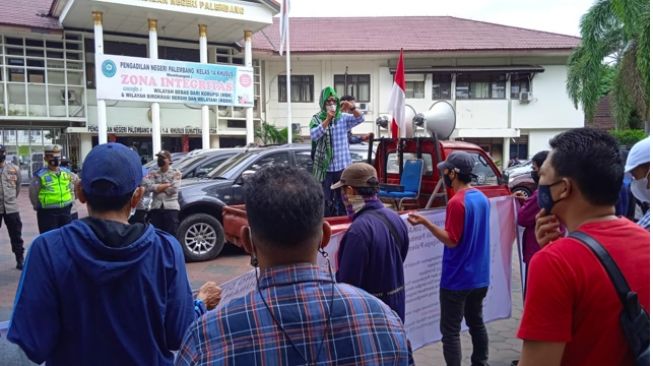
(412, 33)
(32, 14)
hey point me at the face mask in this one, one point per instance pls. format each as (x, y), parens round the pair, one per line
(535, 176)
(353, 204)
(639, 189)
(160, 162)
(54, 162)
(331, 108)
(2, 158)
(448, 181)
(544, 198)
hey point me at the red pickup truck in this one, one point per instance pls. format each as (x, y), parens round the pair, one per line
(389, 155)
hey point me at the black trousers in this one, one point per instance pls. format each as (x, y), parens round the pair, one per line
(333, 205)
(139, 216)
(166, 220)
(15, 229)
(454, 305)
(52, 218)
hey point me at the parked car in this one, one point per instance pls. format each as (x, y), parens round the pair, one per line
(201, 200)
(201, 164)
(522, 182)
(524, 166)
(176, 158)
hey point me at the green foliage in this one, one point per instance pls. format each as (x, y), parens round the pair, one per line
(269, 134)
(613, 57)
(628, 137)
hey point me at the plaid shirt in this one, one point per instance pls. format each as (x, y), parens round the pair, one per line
(339, 130)
(363, 330)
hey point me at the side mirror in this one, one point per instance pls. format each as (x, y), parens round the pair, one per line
(246, 174)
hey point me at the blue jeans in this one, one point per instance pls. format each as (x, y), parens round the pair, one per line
(333, 205)
(454, 304)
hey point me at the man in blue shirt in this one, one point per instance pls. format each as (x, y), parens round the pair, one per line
(298, 314)
(329, 134)
(376, 242)
(466, 259)
(101, 291)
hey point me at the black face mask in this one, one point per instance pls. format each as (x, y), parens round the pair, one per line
(160, 162)
(3, 157)
(447, 181)
(54, 162)
(536, 176)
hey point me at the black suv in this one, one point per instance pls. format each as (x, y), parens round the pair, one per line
(201, 200)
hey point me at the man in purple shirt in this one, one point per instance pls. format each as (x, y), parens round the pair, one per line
(330, 154)
(373, 250)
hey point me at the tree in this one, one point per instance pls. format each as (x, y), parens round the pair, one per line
(615, 39)
(269, 134)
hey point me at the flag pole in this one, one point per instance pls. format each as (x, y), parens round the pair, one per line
(288, 100)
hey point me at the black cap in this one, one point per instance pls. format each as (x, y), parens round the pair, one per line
(460, 162)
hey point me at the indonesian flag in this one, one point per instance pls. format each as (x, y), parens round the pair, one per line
(396, 107)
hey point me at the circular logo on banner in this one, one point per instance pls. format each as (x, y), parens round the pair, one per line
(109, 68)
(245, 80)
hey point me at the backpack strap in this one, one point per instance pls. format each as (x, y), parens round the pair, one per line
(393, 229)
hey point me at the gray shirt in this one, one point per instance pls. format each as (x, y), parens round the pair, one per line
(10, 188)
(166, 199)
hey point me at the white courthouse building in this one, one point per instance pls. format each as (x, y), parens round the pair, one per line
(506, 84)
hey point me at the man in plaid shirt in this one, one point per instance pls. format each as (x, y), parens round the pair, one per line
(329, 133)
(297, 315)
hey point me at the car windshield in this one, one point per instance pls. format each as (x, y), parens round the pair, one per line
(187, 162)
(224, 170)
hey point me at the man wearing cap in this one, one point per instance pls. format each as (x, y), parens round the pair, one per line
(164, 183)
(102, 291)
(638, 165)
(466, 259)
(10, 188)
(375, 243)
(51, 191)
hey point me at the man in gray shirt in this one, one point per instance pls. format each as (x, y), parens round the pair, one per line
(9, 190)
(164, 183)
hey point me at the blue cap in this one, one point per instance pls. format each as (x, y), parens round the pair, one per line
(460, 162)
(114, 163)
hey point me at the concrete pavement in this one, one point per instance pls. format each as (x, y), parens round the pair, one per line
(503, 346)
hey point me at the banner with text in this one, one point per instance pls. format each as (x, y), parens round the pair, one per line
(422, 269)
(166, 81)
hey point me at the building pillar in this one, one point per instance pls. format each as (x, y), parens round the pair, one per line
(206, 140)
(506, 152)
(156, 111)
(85, 145)
(249, 111)
(101, 103)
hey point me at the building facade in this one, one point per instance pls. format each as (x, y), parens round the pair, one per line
(506, 84)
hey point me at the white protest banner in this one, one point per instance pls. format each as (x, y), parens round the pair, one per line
(167, 81)
(422, 270)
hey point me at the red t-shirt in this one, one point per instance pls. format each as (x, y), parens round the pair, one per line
(571, 298)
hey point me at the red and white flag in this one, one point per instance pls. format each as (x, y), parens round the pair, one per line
(283, 24)
(397, 104)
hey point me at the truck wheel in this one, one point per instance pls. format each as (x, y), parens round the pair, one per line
(201, 237)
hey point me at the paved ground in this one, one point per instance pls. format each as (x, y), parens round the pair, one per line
(503, 346)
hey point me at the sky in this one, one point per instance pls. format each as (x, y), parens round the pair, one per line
(557, 16)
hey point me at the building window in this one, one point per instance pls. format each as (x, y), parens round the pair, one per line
(441, 86)
(519, 83)
(301, 89)
(415, 89)
(179, 54)
(118, 48)
(358, 86)
(481, 86)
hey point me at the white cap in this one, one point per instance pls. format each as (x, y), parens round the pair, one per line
(639, 154)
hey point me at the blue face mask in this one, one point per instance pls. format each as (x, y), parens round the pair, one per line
(544, 198)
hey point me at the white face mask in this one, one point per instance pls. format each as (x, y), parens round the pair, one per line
(639, 189)
(331, 108)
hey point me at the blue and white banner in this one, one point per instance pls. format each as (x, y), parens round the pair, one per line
(166, 81)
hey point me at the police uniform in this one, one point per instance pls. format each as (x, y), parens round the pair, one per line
(51, 194)
(9, 190)
(164, 209)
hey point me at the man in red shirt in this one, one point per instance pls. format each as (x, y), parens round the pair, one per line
(571, 314)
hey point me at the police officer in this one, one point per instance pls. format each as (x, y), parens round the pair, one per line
(164, 183)
(9, 190)
(51, 191)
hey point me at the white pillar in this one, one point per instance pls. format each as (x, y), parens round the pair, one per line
(506, 152)
(206, 137)
(249, 112)
(156, 112)
(99, 51)
(85, 145)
